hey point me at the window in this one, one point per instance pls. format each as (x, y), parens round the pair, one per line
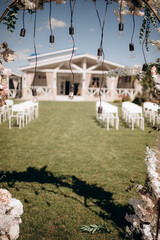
(95, 82)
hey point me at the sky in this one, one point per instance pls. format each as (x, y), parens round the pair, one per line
(87, 33)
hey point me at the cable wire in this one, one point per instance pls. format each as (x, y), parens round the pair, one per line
(143, 51)
(101, 42)
(72, 10)
(73, 42)
(120, 11)
(23, 18)
(143, 46)
(70, 62)
(133, 28)
(50, 14)
(35, 50)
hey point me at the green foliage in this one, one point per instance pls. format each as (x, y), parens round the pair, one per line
(133, 232)
(139, 100)
(147, 81)
(126, 98)
(146, 26)
(11, 18)
(95, 228)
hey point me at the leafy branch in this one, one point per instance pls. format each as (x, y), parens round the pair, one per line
(146, 27)
(95, 228)
(11, 18)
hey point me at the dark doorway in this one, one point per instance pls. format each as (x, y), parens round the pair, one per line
(11, 86)
(76, 85)
(67, 85)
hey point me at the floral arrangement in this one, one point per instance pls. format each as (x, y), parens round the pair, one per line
(125, 71)
(6, 54)
(4, 74)
(10, 211)
(144, 221)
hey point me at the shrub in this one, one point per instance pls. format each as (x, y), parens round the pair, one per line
(126, 98)
(139, 100)
(117, 101)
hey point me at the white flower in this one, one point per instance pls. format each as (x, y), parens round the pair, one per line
(10, 212)
(5, 196)
(16, 207)
(14, 231)
(146, 230)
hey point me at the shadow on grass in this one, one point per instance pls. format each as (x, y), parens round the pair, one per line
(124, 123)
(98, 122)
(107, 208)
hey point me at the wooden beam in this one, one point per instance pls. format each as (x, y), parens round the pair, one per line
(148, 3)
(7, 9)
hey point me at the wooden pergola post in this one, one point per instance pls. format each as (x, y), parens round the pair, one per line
(147, 2)
(158, 218)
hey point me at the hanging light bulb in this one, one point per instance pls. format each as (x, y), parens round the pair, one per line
(144, 67)
(131, 50)
(51, 40)
(99, 55)
(71, 30)
(23, 30)
(121, 27)
(22, 35)
(71, 33)
(100, 110)
(71, 92)
(34, 94)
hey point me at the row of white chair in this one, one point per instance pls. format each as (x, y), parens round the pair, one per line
(151, 112)
(108, 115)
(24, 113)
(132, 114)
(6, 110)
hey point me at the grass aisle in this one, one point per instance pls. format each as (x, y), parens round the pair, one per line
(67, 170)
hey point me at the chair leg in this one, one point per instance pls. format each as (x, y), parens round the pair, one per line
(107, 124)
(132, 123)
(10, 121)
(20, 121)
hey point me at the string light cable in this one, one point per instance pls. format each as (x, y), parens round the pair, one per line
(100, 52)
(121, 25)
(23, 30)
(34, 92)
(145, 65)
(131, 45)
(51, 38)
(71, 33)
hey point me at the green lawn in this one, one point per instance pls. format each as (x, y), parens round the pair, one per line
(68, 171)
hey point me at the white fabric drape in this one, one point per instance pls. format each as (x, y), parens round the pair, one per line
(112, 82)
(29, 79)
(116, 82)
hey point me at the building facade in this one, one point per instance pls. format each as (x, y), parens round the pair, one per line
(53, 77)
